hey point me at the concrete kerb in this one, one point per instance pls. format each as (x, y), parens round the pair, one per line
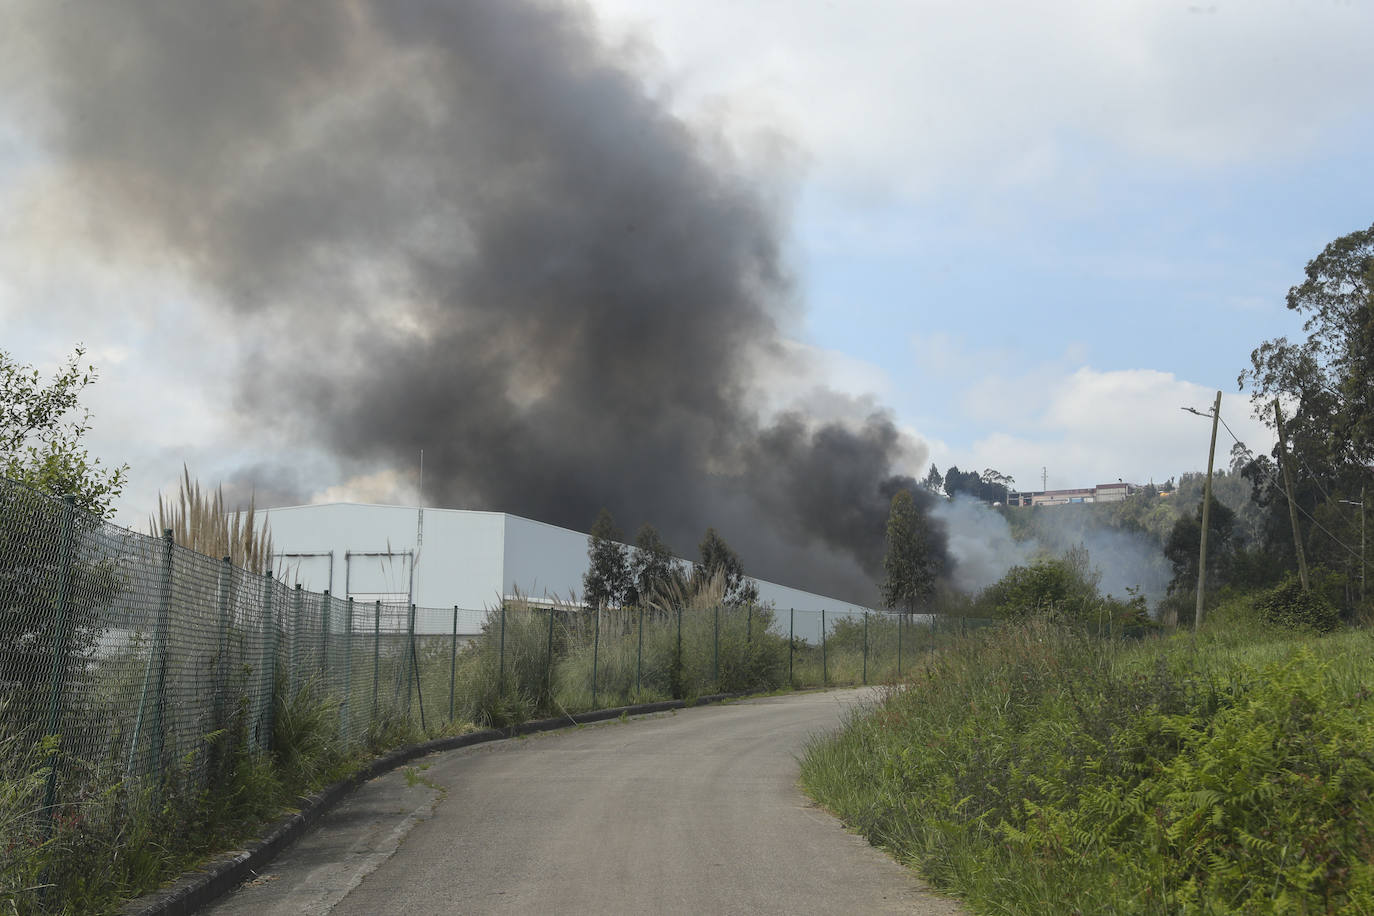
(223, 873)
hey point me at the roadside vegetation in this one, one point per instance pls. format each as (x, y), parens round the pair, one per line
(1090, 757)
(100, 803)
(1039, 769)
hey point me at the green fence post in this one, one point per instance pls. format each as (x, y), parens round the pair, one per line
(501, 664)
(452, 662)
(269, 663)
(825, 673)
(348, 671)
(324, 636)
(164, 623)
(548, 661)
(596, 651)
(749, 623)
(410, 657)
(415, 669)
(715, 651)
(639, 652)
(791, 643)
(376, 653)
(226, 573)
(678, 658)
(294, 656)
(899, 644)
(60, 651)
(865, 648)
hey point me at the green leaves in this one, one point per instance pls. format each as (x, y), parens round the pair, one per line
(912, 561)
(607, 580)
(40, 437)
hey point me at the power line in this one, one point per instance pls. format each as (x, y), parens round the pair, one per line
(1274, 483)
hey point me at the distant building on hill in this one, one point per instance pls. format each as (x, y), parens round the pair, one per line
(1102, 493)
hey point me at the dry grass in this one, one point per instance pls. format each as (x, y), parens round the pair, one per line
(198, 520)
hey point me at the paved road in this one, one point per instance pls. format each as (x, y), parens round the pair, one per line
(696, 811)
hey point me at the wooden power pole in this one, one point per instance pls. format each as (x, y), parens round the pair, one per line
(1206, 513)
(1285, 466)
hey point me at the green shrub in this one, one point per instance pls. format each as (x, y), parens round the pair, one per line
(1288, 605)
(1044, 587)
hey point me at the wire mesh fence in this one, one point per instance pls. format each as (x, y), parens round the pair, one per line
(126, 660)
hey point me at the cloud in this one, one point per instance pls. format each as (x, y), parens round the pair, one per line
(892, 94)
(1091, 426)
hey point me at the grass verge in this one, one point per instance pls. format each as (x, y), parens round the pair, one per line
(1037, 771)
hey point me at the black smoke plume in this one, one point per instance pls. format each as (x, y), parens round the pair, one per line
(468, 227)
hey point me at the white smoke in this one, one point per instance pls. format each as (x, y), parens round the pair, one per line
(982, 546)
(980, 543)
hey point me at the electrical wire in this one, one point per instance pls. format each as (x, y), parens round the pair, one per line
(1274, 483)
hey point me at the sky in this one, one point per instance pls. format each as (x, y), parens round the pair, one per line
(1034, 230)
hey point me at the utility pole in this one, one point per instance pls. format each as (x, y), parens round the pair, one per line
(1361, 504)
(1206, 513)
(1284, 464)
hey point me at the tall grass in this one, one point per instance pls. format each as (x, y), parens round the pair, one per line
(559, 659)
(199, 520)
(1033, 770)
(130, 834)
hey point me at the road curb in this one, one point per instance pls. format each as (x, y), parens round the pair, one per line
(223, 873)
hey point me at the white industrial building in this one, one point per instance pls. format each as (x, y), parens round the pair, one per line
(442, 558)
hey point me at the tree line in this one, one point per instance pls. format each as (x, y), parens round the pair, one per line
(621, 575)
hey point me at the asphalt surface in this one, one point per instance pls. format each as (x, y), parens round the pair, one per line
(696, 811)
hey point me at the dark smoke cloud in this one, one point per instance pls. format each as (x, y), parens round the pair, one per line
(469, 227)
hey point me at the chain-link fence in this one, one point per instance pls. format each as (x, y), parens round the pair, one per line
(128, 660)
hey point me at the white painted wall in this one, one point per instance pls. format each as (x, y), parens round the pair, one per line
(544, 560)
(460, 561)
(467, 558)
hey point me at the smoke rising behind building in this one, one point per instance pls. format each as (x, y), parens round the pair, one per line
(472, 228)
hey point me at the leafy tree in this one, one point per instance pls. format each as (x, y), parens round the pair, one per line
(934, 481)
(607, 579)
(652, 568)
(718, 558)
(911, 565)
(1326, 383)
(989, 486)
(55, 573)
(1337, 358)
(956, 481)
(996, 486)
(41, 434)
(1044, 587)
(1185, 542)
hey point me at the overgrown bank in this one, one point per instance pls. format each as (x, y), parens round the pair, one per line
(1038, 771)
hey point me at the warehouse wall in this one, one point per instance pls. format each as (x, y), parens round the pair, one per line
(467, 558)
(544, 560)
(459, 563)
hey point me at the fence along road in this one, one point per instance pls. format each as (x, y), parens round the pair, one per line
(692, 812)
